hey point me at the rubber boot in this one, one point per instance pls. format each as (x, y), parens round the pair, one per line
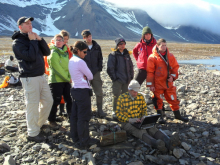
(170, 142)
(179, 117)
(161, 120)
(158, 144)
(100, 112)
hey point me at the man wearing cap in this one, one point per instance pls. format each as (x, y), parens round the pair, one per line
(142, 51)
(119, 69)
(94, 61)
(29, 49)
(131, 107)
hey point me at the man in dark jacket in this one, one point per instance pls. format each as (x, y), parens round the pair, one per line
(94, 60)
(29, 49)
(120, 70)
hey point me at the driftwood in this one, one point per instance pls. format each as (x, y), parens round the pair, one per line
(113, 137)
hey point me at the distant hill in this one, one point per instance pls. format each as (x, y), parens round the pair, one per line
(103, 19)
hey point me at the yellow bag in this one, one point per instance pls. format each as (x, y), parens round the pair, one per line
(5, 82)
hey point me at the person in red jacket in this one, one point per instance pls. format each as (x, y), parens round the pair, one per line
(142, 51)
(162, 70)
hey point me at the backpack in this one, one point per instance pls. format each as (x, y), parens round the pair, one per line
(13, 81)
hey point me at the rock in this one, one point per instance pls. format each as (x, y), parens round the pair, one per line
(4, 147)
(51, 160)
(215, 140)
(196, 155)
(89, 157)
(178, 153)
(45, 146)
(75, 153)
(138, 152)
(9, 160)
(136, 163)
(192, 106)
(183, 162)
(97, 149)
(37, 147)
(181, 88)
(153, 159)
(167, 158)
(185, 146)
(93, 146)
(192, 129)
(205, 134)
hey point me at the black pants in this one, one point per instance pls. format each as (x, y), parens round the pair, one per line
(11, 68)
(80, 115)
(141, 76)
(57, 90)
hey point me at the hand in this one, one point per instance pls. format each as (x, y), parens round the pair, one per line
(170, 79)
(152, 89)
(70, 81)
(37, 37)
(85, 78)
(133, 120)
(31, 36)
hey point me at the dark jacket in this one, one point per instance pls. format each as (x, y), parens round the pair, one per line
(120, 66)
(94, 58)
(29, 54)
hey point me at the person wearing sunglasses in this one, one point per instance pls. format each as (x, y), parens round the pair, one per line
(59, 78)
(81, 108)
(120, 70)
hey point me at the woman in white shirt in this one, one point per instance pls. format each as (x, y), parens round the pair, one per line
(81, 94)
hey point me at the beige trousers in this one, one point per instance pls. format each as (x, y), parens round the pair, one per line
(38, 100)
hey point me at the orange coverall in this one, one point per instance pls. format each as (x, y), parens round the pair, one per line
(158, 73)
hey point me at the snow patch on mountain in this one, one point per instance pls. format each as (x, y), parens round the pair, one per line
(7, 23)
(47, 25)
(120, 15)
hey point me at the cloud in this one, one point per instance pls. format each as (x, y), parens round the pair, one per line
(173, 13)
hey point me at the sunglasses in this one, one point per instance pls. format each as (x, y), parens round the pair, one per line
(85, 52)
(59, 40)
(121, 43)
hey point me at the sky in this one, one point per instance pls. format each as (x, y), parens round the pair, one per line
(203, 14)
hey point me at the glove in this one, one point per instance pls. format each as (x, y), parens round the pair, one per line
(132, 120)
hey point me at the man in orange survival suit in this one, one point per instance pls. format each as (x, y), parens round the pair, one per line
(162, 70)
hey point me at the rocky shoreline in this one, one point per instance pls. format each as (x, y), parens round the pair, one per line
(199, 95)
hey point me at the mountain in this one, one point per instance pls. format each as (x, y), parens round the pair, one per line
(105, 20)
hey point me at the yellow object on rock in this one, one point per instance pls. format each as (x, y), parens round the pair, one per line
(5, 82)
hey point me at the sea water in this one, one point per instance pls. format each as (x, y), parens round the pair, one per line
(212, 64)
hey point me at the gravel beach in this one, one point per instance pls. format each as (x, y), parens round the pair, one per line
(199, 95)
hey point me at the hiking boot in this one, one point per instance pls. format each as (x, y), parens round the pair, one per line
(53, 125)
(179, 117)
(158, 144)
(38, 139)
(161, 120)
(101, 114)
(86, 146)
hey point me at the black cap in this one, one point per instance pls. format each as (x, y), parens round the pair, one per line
(11, 58)
(118, 40)
(24, 19)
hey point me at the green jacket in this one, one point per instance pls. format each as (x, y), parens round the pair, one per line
(58, 65)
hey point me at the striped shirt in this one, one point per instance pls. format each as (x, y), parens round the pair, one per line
(128, 108)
